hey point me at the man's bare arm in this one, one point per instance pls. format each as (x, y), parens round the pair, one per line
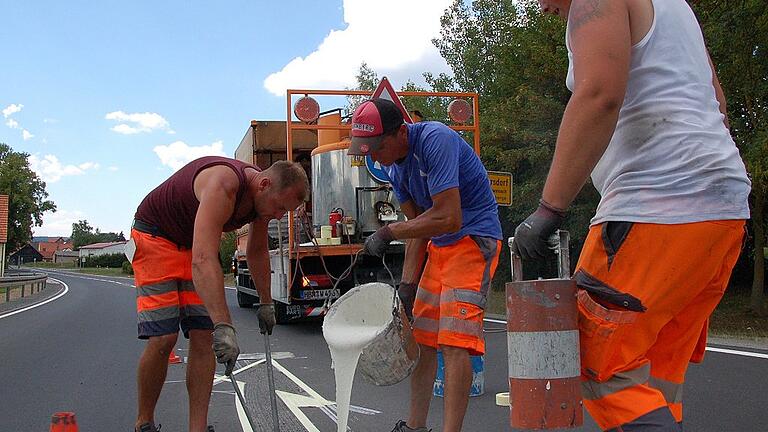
(257, 256)
(599, 33)
(216, 190)
(415, 248)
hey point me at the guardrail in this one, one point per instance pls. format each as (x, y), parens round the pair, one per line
(21, 285)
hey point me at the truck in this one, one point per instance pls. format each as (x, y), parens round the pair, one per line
(314, 251)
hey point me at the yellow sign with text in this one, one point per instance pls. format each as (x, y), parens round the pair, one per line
(501, 184)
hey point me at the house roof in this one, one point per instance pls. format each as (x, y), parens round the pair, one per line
(67, 253)
(102, 245)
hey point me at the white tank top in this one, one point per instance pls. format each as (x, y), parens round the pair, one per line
(671, 159)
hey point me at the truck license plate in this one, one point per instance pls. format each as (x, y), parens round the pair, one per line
(320, 294)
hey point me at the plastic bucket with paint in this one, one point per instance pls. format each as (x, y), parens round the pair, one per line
(392, 354)
(478, 375)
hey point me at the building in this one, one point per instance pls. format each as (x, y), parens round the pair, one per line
(97, 249)
(66, 256)
(48, 246)
(26, 254)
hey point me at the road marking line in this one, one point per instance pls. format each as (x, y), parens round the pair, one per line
(24, 309)
(741, 353)
(241, 409)
(713, 349)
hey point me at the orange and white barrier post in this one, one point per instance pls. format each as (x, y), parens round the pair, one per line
(63, 422)
(543, 347)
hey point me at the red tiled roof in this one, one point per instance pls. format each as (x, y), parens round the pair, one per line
(102, 245)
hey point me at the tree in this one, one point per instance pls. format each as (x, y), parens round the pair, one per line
(227, 248)
(84, 234)
(737, 36)
(27, 196)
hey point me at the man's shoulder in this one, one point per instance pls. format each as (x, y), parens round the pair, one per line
(220, 177)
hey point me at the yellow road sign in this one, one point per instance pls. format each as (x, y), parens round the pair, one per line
(501, 184)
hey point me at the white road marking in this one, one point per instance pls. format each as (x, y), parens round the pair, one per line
(241, 409)
(77, 275)
(713, 349)
(24, 309)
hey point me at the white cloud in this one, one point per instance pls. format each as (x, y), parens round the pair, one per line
(51, 170)
(13, 124)
(392, 43)
(138, 122)
(177, 154)
(59, 223)
(26, 135)
(11, 109)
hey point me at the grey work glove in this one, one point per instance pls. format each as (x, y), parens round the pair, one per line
(531, 236)
(266, 315)
(407, 293)
(376, 243)
(225, 346)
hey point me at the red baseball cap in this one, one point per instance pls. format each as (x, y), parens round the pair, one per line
(372, 120)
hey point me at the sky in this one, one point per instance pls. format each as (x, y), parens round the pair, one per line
(110, 98)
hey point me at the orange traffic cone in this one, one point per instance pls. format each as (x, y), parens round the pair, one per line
(173, 358)
(63, 422)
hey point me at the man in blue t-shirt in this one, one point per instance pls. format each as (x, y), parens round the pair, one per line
(444, 191)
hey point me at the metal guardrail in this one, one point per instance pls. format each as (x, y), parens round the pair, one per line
(21, 285)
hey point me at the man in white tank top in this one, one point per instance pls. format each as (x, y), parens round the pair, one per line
(647, 119)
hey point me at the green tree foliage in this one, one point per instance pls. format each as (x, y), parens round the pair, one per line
(84, 234)
(115, 260)
(227, 248)
(737, 36)
(27, 196)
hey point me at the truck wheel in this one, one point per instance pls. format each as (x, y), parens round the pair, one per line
(245, 300)
(281, 313)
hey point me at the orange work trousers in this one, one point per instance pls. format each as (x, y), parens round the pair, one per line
(453, 292)
(646, 293)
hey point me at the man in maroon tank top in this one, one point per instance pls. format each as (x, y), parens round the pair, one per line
(176, 234)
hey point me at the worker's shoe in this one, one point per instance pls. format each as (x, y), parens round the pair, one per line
(401, 426)
(210, 429)
(147, 427)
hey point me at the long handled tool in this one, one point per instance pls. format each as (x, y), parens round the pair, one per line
(242, 401)
(271, 380)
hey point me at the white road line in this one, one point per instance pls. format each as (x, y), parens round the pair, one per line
(66, 289)
(713, 349)
(76, 275)
(741, 353)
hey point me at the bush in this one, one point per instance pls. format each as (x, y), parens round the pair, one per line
(110, 260)
(127, 268)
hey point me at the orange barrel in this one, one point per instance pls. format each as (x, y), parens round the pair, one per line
(543, 348)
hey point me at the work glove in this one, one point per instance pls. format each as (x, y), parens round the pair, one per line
(376, 243)
(266, 315)
(225, 346)
(407, 293)
(532, 236)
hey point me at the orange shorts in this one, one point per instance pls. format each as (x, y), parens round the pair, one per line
(452, 294)
(165, 296)
(646, 292)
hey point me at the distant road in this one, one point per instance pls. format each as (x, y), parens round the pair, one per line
(79, 353)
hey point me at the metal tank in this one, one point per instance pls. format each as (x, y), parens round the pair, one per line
(341, 181)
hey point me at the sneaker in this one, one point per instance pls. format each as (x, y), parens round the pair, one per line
(401, 426)
(210, 429)
(147, 427)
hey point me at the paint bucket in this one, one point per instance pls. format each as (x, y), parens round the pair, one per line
(478, 375)
(392, 354)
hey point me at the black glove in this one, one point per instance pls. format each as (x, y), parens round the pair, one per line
(531, 236)
(266, 315)
(376, 243)
(225, 346)
(407, 293)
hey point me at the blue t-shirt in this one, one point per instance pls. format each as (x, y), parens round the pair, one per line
(439, 159)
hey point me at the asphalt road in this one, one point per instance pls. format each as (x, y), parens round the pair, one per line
(79, 353)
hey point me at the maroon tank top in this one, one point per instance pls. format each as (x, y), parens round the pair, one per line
(172, 206)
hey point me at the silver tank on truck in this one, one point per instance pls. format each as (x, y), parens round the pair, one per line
(343, 182)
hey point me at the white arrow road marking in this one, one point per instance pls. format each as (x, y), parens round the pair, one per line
(241, 409)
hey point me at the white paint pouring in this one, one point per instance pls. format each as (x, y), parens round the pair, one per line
(353, 322)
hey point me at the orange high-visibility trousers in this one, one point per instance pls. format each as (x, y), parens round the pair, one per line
(646, 292)
(453, 292)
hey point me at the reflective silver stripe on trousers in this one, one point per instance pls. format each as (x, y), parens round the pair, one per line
(488, 247)
(673, 392)
(470, 328)
(195, 310)
(427, 297)
(159, 314)
(593, 390)
(527, 359)
(155, 289)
